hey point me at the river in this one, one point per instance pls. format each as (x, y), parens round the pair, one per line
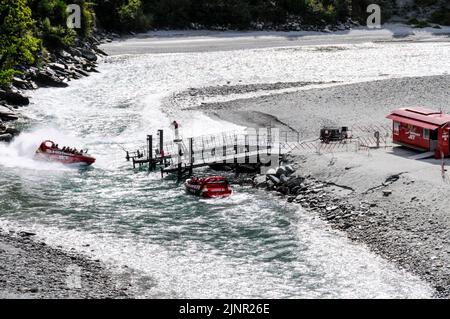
(172, 245)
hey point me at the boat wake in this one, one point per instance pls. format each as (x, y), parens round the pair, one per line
(20, 152)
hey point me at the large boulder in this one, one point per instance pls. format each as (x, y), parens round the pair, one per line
(88, 55)
(14, 98)
(289, 170)
(283, 179)
(260, 181)
(280, 171)
(12, 131)
(6, 137)
(45, 80)
(274, 179)
(6, 114)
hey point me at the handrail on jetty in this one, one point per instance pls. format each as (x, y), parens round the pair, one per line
(258, 147)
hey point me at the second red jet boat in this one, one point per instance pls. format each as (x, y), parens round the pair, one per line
(209, 187)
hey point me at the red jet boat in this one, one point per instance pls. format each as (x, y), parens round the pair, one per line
(49, 152)
(209, 187)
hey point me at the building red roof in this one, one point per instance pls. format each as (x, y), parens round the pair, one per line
(420, 116)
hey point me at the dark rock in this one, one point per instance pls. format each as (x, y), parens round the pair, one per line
(274, 179)
(295, 190)
(283, 179)
(12, 131)
(280, 171)
(6, 138)
(387, 193)
(57, 66)
(45, 80)
(99, 51)
(295, 182)
(89, 55)
(283, 190)
(6, 114)
(22, 84)
(82, 72)
(289, 170)
(34, 290)
(14, 98)
(26, 234)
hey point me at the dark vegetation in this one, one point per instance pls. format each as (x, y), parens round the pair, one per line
(31, 28)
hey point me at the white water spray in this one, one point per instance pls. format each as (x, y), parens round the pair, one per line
(20, 152)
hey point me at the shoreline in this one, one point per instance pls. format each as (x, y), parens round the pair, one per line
(30, 269)
(264, 116)
(59, 68)
(347, 189)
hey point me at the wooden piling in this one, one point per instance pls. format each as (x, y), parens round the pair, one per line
(191, 155)
(150, 152)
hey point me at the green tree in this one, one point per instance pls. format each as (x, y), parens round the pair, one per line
(18, 45)
(132, 17)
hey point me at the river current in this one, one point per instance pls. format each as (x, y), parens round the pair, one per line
(148, 230)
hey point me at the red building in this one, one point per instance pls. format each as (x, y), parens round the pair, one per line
(421, 129)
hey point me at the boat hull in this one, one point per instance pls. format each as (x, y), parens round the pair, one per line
(215, 187)
(64, 158)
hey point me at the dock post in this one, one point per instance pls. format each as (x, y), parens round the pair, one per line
(128, 156)
(377, 138)
(224, 150)
(191, 155)
(150, 152)
(161, 147)
(236, 151)
(247, 149)
(257, 147)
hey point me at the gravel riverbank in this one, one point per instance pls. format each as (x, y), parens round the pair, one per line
(306, 111)
(30, 269)
(399, 210)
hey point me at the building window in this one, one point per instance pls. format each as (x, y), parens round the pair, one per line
(396, 128)
(426, 133)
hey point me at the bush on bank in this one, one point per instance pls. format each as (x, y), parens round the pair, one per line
(29, 27)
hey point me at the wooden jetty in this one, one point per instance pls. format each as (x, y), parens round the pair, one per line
(234, 149)
(237, 150)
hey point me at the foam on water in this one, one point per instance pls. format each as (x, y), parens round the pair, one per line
(20, 152)
(250, 245)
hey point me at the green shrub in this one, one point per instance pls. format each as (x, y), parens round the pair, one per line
(6, 76)
(132, 17)
(441, 16)
(425, 3)
(18, 44)
(56, 37)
